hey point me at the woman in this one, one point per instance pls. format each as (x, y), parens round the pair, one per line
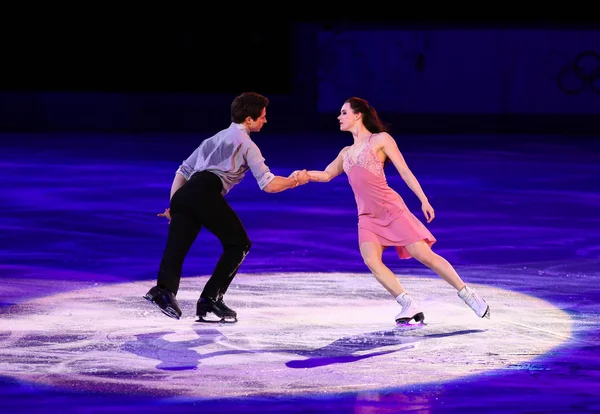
(383, 218)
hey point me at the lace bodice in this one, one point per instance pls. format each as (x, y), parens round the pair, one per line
(366, 159)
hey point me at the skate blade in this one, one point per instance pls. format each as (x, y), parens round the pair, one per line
(403, 323)
(170, 312)
(487, 313)
(409, 326)
(419, 318)
(220, 321)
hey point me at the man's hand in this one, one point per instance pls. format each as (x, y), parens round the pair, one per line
(301, 176)
(166, 214)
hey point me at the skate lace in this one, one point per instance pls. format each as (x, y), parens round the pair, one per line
(407, 304)
(471, 299)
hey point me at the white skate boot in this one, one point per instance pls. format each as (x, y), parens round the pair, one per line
(471, 298)
(410, 310)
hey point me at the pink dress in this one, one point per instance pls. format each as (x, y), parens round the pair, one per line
(383, 217)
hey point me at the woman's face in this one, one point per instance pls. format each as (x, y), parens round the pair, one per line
(347, 118)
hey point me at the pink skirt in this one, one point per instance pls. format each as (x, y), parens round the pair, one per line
(399, 233)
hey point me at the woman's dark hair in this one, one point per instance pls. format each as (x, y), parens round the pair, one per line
(371, 120)
(248, 104)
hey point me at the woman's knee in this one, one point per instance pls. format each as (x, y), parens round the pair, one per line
(422, 252)
(372, 262)
(371, 254)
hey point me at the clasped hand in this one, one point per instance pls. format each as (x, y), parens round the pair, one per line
(301, 176)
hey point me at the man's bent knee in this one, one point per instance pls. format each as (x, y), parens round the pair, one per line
(246, 247)
(243, 247)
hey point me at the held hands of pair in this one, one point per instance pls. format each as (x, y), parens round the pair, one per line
(301, 177)
(428, 211)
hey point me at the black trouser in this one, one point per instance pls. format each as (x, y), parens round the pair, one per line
(198, 203)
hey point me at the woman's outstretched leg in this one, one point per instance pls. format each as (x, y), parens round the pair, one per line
(423, 253)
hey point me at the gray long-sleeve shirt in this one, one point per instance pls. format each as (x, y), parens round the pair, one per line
(229, 154)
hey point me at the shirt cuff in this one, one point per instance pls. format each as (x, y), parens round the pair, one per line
(185, 172)
(265, 179)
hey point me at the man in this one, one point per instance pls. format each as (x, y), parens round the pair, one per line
(197, 200)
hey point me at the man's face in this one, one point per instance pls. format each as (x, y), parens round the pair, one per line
(255, 126)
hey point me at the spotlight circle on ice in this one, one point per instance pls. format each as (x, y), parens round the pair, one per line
(297, 333)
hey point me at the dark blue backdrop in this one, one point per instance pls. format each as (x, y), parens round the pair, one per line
(422, 79)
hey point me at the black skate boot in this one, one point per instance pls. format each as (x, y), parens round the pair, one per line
(165, 301)
(208, 310)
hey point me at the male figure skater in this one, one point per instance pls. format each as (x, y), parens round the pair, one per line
(197, 200)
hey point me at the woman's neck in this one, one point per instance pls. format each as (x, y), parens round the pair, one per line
(361, 135)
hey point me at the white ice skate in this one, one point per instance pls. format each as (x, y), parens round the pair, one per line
(471, 298)
(410, 311)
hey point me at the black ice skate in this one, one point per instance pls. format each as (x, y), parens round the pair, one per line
(208, 310)
(165, 301)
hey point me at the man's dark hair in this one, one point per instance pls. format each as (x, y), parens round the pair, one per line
(248, 104)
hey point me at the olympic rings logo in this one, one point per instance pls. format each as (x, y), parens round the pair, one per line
(591, 79)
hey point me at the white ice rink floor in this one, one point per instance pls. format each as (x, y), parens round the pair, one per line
(298, 333)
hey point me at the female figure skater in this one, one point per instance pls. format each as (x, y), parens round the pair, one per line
(383, 218)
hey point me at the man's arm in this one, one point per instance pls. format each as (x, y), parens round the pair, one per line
(178, 181)
(267, 181)
(279, 184)
(186, 169)
(184, 172)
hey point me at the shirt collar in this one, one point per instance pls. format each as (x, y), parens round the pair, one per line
(241, 127)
